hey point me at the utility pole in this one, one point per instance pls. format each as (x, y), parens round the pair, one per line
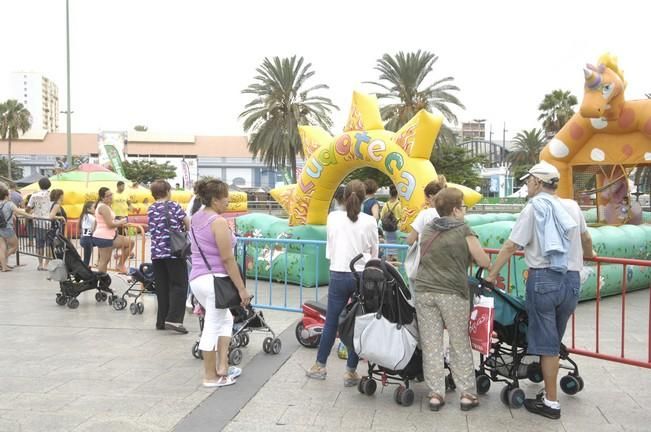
(68, 112)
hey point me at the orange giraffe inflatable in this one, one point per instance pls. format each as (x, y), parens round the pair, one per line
(607, 131)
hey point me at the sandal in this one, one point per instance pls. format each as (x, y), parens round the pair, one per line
(222, 381)
(436, 401)
(468, 401)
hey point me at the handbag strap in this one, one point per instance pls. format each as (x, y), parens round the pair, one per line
(424, 251)
(200, 251)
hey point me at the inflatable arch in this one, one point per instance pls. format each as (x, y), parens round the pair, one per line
(608, 132)
(403, 156)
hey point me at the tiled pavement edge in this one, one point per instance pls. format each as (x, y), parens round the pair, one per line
(217, 410)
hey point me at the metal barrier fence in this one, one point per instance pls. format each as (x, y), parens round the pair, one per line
(32, 241)
(276, 290)
(597, 352)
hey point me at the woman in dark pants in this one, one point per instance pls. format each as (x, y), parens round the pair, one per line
(349, 233)
(170, 273)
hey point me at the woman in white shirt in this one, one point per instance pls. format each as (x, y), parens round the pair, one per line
(349, 233)
(86, 228)
(429, 214)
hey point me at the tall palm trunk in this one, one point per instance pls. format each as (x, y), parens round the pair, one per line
(292, 160)
(9, 159)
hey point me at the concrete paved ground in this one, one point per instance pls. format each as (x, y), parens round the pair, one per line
(98, 369)
(94, 368)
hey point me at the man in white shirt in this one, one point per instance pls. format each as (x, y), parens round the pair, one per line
(552, 295)
(39, 205)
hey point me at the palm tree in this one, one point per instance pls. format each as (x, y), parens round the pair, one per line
(556, 110)
(528, 145)
(14, 117)
(280, 104)
(402, 78)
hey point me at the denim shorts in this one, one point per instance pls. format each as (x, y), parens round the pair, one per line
(102, 243)
(551, 300)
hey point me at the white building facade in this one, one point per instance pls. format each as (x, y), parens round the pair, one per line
(40, 96)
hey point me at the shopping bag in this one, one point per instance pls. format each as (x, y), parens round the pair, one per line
(480, 326)
(384, 343)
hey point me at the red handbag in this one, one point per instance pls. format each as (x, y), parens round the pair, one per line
(480, 325)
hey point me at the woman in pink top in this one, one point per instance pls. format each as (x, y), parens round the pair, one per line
(105, 236)
(211, 235)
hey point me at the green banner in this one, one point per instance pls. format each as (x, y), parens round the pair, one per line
(114, 157)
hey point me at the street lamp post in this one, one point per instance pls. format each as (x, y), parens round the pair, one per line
(68, 111)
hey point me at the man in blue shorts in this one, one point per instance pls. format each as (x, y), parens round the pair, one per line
(555, 238)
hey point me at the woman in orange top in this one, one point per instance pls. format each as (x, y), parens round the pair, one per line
(105, 236)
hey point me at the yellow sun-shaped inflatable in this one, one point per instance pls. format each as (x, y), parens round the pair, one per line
(403, 156)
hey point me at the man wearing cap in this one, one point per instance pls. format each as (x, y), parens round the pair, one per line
(555, 238)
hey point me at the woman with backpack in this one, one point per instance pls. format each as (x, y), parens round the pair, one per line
(389, 216)
(8, 239)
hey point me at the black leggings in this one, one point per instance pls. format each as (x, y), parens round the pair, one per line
(171, 277)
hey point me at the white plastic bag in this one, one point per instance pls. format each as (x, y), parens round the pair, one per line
(57, 270)
(384, 343)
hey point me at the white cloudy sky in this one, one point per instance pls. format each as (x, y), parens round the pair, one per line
(179, 66)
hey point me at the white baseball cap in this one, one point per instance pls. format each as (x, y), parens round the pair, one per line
(544, 171)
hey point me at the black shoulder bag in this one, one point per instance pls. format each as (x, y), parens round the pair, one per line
(179, 242)
(226, 294)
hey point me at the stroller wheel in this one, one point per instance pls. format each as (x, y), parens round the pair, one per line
(61, 299)
(244, 339)
(361, 384)
(196, 352)
(516, 397)
(141, 308)
(236, 341)
(369, 387)
(104, 296)
(580, 382)
(98, 297)
(407, 397)
(571, 384)
(235, 356)
(534, 372)
(483, 384)
(504, 394)
(73, 303)
(111, 298)
(266, 345)
(449, 383)
(119, 303)
(133, 308)
(276, 345)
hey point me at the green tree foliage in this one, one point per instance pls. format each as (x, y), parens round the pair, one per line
(527, 147)
(16, 172)
(556, 110)
(282, 102)
(14, 118)
(458, 165)
(369, 173)
(144, 171)
(402, 79)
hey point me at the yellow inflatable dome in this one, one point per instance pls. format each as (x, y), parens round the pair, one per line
(82, 184)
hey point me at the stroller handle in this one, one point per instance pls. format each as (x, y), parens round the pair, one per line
(352, 264)
(486, 285)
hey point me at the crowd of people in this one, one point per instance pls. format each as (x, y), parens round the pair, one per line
(553, 233)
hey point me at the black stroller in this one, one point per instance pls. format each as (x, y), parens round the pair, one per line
(382, 279)
(507, 361)
(141, 282)
(245, 321)
(73, 275)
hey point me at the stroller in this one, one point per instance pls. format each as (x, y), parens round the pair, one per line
(141, 282)
(381, 289)
(73, 275)
(507, 361)
(245, 321)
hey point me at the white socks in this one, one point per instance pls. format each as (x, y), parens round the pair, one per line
(551, 404)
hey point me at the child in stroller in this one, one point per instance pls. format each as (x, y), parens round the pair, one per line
(142, 282)
(507, 361)
(74, 276)
(245, 321)
(380, 279)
